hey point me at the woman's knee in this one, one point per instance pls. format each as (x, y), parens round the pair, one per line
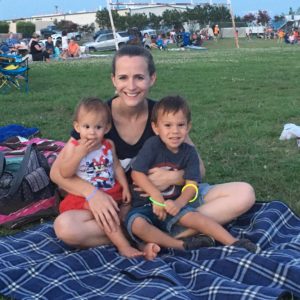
(63, 227)
(246, 193)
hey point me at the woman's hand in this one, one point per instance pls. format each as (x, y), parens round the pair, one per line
(163, 178)
(105, 211)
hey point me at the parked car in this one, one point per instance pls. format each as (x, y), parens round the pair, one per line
(55, 37)
(101, 31)
(151, 32)
(58, 36)
(76, 35)
(106, 41)
(49, 30)
(52, 30)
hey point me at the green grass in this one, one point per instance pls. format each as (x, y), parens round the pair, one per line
(240, 100)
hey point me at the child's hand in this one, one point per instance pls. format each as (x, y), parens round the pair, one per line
(159, 211)
(172, 207)
(126, 195)
(85, 146)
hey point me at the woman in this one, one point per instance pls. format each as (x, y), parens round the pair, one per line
(37, 51)
(133, 74)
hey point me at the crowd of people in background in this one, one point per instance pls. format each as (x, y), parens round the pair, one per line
(65, 48)
(41, 50)
(62, 49)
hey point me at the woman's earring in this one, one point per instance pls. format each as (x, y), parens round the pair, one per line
(116, 92)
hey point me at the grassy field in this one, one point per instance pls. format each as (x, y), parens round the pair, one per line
(240, 100)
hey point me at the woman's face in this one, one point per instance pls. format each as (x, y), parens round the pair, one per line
(132, 79)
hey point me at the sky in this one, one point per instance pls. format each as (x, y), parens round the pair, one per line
(10, 9)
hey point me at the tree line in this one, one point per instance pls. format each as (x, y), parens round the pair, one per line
(171, 18)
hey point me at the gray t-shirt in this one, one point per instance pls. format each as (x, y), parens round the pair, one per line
(154, 153)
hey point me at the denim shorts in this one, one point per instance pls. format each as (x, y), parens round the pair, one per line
(204, 188)
(169, 224)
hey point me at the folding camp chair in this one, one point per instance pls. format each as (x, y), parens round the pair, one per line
(14, 72)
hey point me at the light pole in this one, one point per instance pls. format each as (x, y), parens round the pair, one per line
(112, 24)
(236, 37)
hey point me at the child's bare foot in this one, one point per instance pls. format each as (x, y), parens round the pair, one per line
(130, 252)
(151, 250)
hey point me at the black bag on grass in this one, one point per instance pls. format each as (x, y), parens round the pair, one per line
(26, 191)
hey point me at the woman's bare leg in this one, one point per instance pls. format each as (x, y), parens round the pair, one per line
(78, 228)
(225, 202)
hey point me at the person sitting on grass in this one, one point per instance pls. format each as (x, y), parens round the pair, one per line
(49, 46)
(171, 122)
(73, 49)
(57, 50)
(96, 163)
(133, 73)
(147, 42)
(161, 42)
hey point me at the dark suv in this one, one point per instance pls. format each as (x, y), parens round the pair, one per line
(49, 30)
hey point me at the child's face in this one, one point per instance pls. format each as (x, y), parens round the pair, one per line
(91, 125)
(172, 128)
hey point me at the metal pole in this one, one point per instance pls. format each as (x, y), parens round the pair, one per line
(112, 24)
(236, 35)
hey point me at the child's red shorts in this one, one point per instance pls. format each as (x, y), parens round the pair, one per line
(77, 202)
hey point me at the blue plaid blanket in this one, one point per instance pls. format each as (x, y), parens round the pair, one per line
(35, 265)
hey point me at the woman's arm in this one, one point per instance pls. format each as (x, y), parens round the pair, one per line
(38, 47)
(162, 178)
(143, 182)
(74, 184)
(146, 185)
(72, 154)
(202, 167)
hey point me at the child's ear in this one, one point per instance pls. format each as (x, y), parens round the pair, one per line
(76, 126)
(108, 127)
(154, 128)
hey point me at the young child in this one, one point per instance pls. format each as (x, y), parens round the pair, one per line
(171, 121)
(64, 45)
(56, 54)
(94, 159)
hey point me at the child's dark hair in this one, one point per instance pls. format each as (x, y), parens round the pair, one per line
(92, 104)
(131, 51)
(171, 104)
(58, 44)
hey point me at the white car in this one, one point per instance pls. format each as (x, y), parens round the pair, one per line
(106, 41)
(151, 32)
